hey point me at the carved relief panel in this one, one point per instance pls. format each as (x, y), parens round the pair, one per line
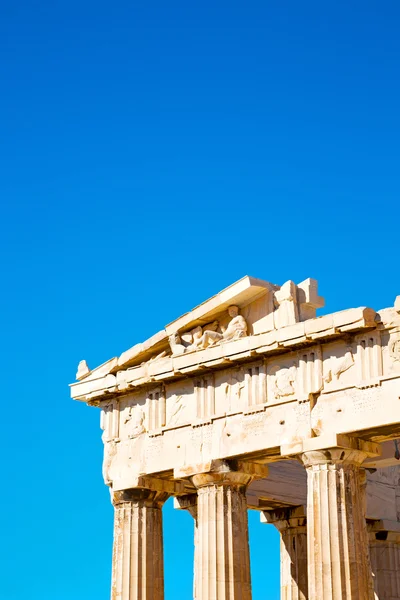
(181, 407)
(357, 362)
(292, 377)
(133, 418)
(282, 377)
(338, 365)
(230, 388)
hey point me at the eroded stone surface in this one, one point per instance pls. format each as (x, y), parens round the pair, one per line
(222, 556)
(292, 525)
(384, 545)
(138, 571)
(338, 556)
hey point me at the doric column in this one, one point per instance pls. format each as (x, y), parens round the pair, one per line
(137, 570)
(338, 556)
(384, 547)
(291, 523)
(222, 560)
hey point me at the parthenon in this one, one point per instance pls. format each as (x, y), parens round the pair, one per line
(252, 401)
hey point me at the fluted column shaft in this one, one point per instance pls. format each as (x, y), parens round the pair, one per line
(338, 556)
(384, 547)
(292, 525)
(137, 570)
(222, 559)
(294, 563)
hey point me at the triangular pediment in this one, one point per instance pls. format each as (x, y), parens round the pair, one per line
(241, 293)
(260, 306)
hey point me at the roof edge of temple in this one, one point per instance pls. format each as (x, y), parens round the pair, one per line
(275, 334)
(119, 381)
(241, 293)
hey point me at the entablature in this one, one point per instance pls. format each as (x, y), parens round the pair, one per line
(303, 335)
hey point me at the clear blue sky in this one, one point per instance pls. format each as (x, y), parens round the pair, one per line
(151, 154)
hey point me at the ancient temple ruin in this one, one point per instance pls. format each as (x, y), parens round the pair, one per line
(252, 401)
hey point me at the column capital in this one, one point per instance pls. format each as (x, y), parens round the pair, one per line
(286, 517)
(384, 536)
(384, 549)
(229, 472)
(150, 482)
(151, 498)
(332, 444)
(333, 456)
(231, 478)
(384, 531)
(187, 502)
(256, 470)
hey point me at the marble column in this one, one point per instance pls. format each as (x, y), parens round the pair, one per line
(292, 525)
(222, 559)
(137, 570)
(338, 555)
(384, 547)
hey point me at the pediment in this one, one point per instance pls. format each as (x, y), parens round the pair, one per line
(260, 307)
(241, 294)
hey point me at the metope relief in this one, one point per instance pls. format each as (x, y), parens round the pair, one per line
(296, 377)
(357, 363)
(132, 416)
(180, 403)
(134, 421)
(282, 380)
(110, 451)
(339, 361)
(230, 386)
